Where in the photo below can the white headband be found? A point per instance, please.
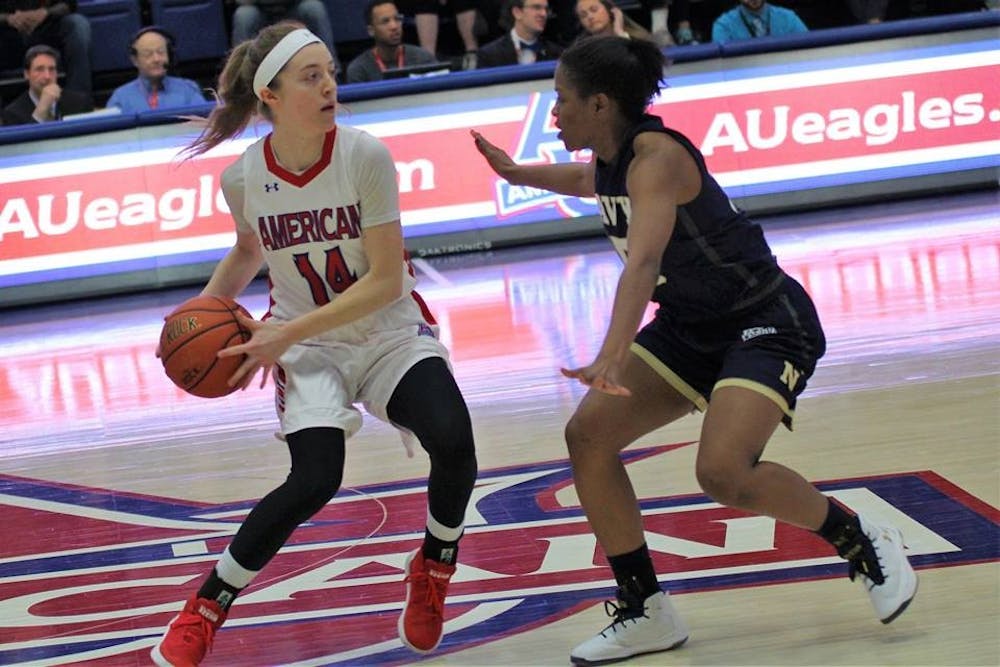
(282, 52)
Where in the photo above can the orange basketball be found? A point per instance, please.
(192, 335)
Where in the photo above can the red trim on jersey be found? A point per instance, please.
(409, 266)
(300, 180)
(424, 310)
(270, 300)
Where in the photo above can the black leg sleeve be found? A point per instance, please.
(428, 402)
(316, 474)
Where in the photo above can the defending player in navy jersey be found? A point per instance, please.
(733, 336)
(319, 204)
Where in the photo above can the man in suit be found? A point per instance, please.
(523, 44)
(25, 23)
(45, 100)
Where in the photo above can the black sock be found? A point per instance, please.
(843, 530)
(214, 588)
(442, 551)
(635, 576)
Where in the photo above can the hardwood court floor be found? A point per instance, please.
(117, 491)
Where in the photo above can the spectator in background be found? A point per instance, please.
(523, 44)
(868, 11)
(152, 50)
(44, 100)
(603, 17)
(427, 17)
(26, 23)
(680, 16)
(755, 18)
(252, 15)
(663, 14)
(385, 25)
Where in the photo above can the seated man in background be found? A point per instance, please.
(523, 44)
(26, 23)
(385, 25)
(252, 15)
(152, 50)
(755, 18)
(44, 100)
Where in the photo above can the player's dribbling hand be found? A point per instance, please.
(265, 347)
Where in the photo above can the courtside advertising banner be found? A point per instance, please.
(135, 204)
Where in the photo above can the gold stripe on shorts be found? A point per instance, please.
(762, 389)
(674, 380)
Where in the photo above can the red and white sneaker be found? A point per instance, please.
(420, 624)
(189, 636)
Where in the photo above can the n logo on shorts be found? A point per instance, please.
(790, 376)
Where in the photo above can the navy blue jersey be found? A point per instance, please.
(717, 262)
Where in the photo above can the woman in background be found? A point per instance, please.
(602, 18)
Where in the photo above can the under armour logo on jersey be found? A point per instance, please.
(268, 187)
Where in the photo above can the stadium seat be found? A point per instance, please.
(199, 26)
(112, 24)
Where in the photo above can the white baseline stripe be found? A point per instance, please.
(123, 160)
(116, 253)
(96, 256)
(820, 77)
(853, 164)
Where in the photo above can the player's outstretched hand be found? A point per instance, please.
(498, 160)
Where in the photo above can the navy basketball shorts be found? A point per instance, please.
(772, 349)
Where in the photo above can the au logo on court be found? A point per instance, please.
(96, 574)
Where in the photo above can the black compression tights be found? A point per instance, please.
(317, 470)
(428, 402)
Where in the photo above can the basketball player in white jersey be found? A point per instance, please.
(319, 204)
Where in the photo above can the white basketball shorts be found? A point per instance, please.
(317, 385)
